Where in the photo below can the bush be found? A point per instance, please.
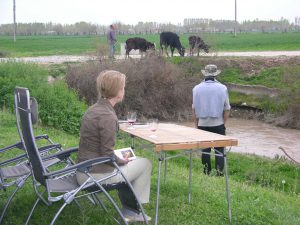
(19, 74)
(58, 106)
(3, 54)
(154, 87)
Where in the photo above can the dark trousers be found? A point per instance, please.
(219, 164)
(128, 199)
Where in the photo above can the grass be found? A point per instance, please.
(257, 193)
(77, 45)
(281, 73)
(269, 77)
(255, 42)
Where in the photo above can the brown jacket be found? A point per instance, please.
(98, 134)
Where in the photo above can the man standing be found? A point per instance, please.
(112, 39)
(211, 109)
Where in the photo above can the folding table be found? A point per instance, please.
(171, 137)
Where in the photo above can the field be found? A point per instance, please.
(76, 45)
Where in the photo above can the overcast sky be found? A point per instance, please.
(105, 12)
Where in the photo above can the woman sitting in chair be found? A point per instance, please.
(97, 139)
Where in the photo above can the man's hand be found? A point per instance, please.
(226, 115)
(195, 119)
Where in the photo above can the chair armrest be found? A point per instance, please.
(47, 148)
(42, 136)
(62, 154)
(18, 145)
(82, 165)
(15, 159)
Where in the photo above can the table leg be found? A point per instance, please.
(165, 164)
(132, 142)
(157, 191)
(227, 186)
(190, 178)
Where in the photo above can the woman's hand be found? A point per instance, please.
(126, 156)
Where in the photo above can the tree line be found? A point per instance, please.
(190, 25)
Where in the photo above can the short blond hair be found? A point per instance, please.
(109, 83)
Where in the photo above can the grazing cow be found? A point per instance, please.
(171, 39)
(138, 43)
(197, 42)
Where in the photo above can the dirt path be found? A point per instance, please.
(82, 58)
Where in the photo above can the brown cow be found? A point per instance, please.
(197, 42)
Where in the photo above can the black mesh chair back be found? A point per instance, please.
(14, 171)
(24, 114)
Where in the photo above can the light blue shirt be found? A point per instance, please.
(210, 100)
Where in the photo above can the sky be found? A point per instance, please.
(105, 12)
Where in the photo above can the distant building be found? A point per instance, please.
(297, 21)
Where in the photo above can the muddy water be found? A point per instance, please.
(262, 139)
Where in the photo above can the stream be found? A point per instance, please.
(256, 137)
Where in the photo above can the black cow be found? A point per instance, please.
(171, 39)
(197, 42)
(138, 43)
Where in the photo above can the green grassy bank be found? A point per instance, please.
(258, 195)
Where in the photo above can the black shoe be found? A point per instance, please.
(219, 174)
(131, 216)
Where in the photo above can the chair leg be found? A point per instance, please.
(31, 212)
(100, 202)
(111, 200)
(20, 184)
(131, 188)
(58, 212)
(77, 203)
(7, 203)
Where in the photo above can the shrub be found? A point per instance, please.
(3, 54)
(154, 87)
(58, 106)
(19, 74)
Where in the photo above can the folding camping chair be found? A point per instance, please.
(15, 171)
(13, 175)
(62, 184)
(34, 119)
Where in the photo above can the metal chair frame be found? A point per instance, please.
(61, 184)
